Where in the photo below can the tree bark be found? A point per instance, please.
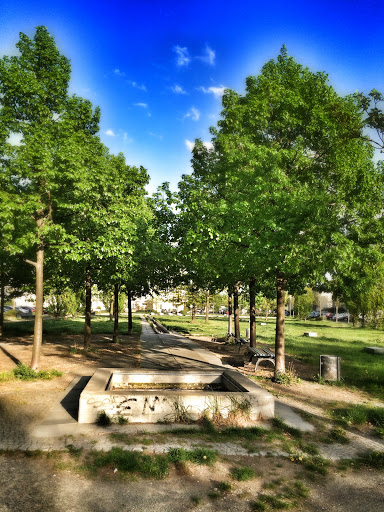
(116, 313)
(111, 310)
(281, 285)
(193, 313)
(252, 313)
(38, 330)
(230, 312)
(88, 308)
(207, 308)
(236, 310)
(130, 324)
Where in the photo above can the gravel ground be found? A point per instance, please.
(44, 483)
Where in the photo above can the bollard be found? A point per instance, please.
(330, 367)
(247, 333)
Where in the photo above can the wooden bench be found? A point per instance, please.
(261, 354)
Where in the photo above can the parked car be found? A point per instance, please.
(314, 314)
(341, 317)
(7, 308)
(23, 311)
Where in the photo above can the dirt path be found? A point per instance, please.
(56, 483)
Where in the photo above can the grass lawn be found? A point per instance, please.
(53, 326)
(358, 368)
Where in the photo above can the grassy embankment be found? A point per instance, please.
(358, 368)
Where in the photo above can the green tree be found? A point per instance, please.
(42, 171)
(287, 155)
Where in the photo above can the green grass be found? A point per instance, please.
(359, 369)
(25, 373)
(52, 326)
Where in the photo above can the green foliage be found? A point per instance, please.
(359, 414)
(103, 420)
(243, 474)
(63, 304)
(203, 456)
(24, 372)
(147, 466)
(304, 304)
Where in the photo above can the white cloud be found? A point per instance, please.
(134, 84)
(177, 89)
(127, 139)
(208, 56)
(15, 139)
(216, 91)
(182, 55)
(190, 145)
(155, 135)
(193, 113)
(117, 72)
(142, 105)
(111, 133)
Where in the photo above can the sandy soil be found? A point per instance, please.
(49, 484)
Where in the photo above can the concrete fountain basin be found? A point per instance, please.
(152, 396)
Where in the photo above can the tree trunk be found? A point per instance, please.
(230, 313)
(38, 331)
(236, 310)
(88, 308)
(193, 313)
(207, 308)
(2, 296)
(337, 313)
(281, 285)
(111, 310)
(116, 313)
(252, 313)
(130, 325)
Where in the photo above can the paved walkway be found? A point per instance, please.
(173, 351)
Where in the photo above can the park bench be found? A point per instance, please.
(261, 354)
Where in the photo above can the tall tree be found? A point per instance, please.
(33, 91)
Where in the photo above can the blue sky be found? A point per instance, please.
(157, 68)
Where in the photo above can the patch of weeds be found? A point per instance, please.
(225, 486)
(34, 453)
(336, 435)
(287, 377)
(121, 438)
(207, 425)
(214, 495)
(147, 466)
(26, 373)
(146, 441)
(196, 500)
(296, 489)
(360, 414)
(197, 455)
(103, 420)
(314, 464)
(309, 448)
(372, 460)
(243, 474)
(273, 502)
(281, 426)
(73, 450)
(258, 506)
(122, 420)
